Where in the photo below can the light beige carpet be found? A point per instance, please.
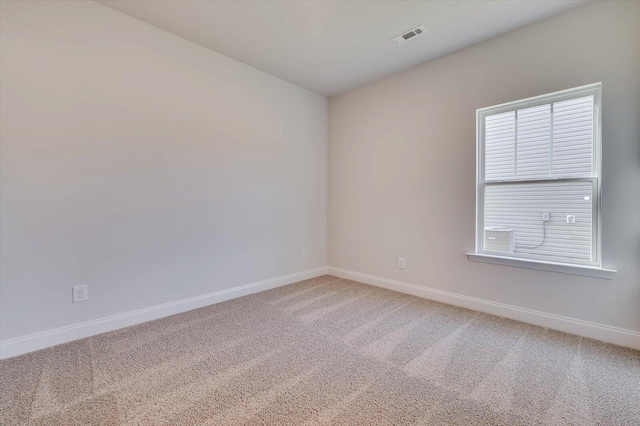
(325, 351)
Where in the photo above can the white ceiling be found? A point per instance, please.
(332, 46)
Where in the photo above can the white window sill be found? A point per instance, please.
(589, 271)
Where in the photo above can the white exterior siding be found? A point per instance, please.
(520, 206)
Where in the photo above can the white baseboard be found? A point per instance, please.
(33, 342)
(605, 333)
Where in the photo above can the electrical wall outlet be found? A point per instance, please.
(80, 293)
(305, 255)
(571, 218)
(545, 217)
(401, 262)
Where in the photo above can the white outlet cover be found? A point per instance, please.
(401, 262)
(305, 255)
(80, 293)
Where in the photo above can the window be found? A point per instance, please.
(538, 179)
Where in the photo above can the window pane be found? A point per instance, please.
(573, 137)
(520, 208)
(499, 149)
(534, 141)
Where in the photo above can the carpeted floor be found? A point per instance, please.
(325, 351)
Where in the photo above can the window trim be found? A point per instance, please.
(564, 268)
(543, 262)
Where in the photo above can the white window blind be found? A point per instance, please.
(538, 181)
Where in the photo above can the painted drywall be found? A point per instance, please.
(402, 164)
(145, 166)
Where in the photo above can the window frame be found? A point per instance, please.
(595, 178)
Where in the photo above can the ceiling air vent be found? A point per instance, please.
(408, 35)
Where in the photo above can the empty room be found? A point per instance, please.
(319, 212)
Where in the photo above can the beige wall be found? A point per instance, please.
(155, 170)
(402, 164)
(145, 166)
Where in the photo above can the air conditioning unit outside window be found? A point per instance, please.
(499, 238)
